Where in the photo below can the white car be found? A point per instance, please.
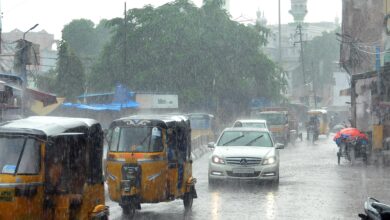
(244, 153)
(257, 123)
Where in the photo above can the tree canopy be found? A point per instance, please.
(320, 53)
(199, 53)
(70, 79)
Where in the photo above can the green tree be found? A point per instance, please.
(70, 77)
(80, 36)
(212, 62)
(320, 54)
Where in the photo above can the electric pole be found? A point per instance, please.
(299, 27)
(299, 32)
(125, 42)
(280, 37)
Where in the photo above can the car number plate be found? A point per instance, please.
(6, 195)
(244, 170)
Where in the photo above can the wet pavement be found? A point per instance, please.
(312, 186)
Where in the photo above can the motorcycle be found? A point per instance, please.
(375, 210)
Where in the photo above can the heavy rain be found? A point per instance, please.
(202, 109)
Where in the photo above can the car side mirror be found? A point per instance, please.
(279, 146)
(211, 145)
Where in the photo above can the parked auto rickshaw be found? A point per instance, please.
(51, 168)
(322, 116)
(149, 161)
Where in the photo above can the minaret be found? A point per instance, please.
(298, 10)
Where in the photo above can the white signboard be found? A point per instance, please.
(157, 101)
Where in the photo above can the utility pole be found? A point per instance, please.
(125, 42)
(280, 37)
(313, 84)
(25, 46)
(1, 27)
(299, 27)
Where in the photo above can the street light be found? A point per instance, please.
(24, 69)
(32, 28)
(24, 51)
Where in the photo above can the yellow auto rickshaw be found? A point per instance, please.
(149, 161)
(322, 116)
(202, 125)
(51, 168)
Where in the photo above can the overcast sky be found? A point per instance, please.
(52, 15)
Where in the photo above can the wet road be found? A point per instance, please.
(312, 186)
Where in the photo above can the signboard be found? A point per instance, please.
(157, 101)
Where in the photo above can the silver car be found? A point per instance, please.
(244, 153)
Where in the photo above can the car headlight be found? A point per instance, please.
(218, 160)
(269, 161)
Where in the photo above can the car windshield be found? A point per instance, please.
(253, 124)
(136, 139)
(245, 138)
(19, 155)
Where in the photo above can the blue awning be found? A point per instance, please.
(102, 107)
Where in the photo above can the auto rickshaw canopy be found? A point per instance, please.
(47, 126)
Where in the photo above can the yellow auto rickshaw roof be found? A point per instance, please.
(167, 120)
(45, 125)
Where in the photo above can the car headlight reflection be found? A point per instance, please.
(269, 161)
(217, 160)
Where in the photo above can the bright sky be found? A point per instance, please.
(52, 15)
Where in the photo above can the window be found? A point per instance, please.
(14, 150)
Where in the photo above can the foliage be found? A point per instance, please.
(84, 38)
(46, 82)
(70, 77)
(211, 61)
(320, 53)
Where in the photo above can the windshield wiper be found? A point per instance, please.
(251, 142)
(232, 140)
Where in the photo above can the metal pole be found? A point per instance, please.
(280, 36)
(24, 68)
(125, 42)
(302, 59)
(24, 50)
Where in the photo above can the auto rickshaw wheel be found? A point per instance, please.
(188, 199)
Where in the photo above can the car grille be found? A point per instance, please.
(255, 174)
(250, 161)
